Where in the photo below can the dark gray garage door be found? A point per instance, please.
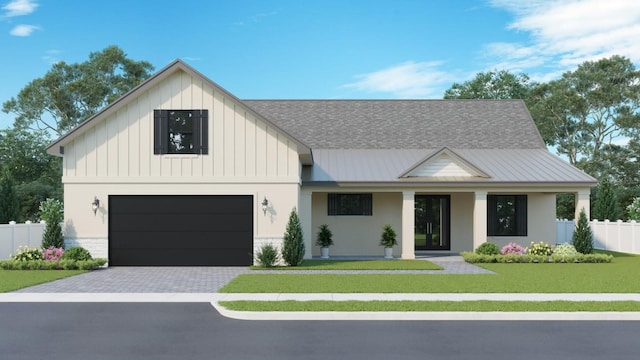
(180, 230)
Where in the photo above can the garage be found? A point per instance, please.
(180, 230)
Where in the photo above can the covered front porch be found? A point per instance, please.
(426, 221)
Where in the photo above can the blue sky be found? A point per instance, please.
(264, 49)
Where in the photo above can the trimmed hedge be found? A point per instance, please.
(52, 265)
(474, 258)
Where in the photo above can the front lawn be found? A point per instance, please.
(483, 305)
(11, 280)
(357, 265)
(620, 276)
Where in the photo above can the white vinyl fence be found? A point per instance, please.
(607, 235)
(14, 235)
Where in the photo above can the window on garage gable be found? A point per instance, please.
(180, 131)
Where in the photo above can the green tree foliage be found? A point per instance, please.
(634, 209)
(582, 236)
(36, 174)
(51, 211)
(606, 204)
(9, 205)
(70, 93)
(565, 206)
(581, 113)
(293, 246)
(492, 85)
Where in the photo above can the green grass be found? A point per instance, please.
(621, 276)
(11, 280)
(358, 265)
(524, 306)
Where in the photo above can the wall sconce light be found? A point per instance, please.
(265, 204)
(95, 205)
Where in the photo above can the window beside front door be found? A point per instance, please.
(506, 215)
(180, 131)
(349, 204)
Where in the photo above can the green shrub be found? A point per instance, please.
(488, 248)
(583, 237)
(540, 249)
(25, 253)
(52, 265)
(388, 237)
(51, 211)
(324, 238)
(511, 258)
(77, 253)
(565, 250)
(293, 244)
(267, 255)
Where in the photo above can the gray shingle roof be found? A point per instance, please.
(404, 124)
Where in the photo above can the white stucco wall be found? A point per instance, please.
(541, 222)
(359, 235)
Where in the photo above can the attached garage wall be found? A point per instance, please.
(181, 230)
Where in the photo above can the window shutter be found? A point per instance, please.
(201, 142)
(492, 209)
(160, 131)
(332, 204)
(521, 215)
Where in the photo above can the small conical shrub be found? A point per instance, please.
(582, 236)
(293, 245)
(51, 212)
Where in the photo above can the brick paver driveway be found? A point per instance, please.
(143, 280)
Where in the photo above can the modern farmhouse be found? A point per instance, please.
(181, 172)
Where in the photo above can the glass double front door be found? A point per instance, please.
(432, 224)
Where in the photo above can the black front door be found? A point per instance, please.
(432, 225)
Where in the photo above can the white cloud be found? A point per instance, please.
(20, 7)
(407, 80)
(51, 56)
(23, 30)
(564, 34)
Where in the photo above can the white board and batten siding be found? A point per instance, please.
(241, 147)
(246, 156)
(442, 165)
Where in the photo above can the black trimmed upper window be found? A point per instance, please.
(506, 215)
(350, 204)
(180, 131)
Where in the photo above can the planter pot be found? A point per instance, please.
(324, 252)
(388, 253)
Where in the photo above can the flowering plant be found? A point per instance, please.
(25, 253)
(541, 248)
(634, 209)
(52, 253)
(512, 248)
(565, 250)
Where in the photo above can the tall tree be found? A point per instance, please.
(68, 94)
(495, 84)
(606, 204)
(9, 205)
(293, 242)
(586, 110)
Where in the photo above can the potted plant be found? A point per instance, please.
(324, 240)
(388, 240)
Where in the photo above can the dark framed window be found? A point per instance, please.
(180, 131)
(506, 215)
(350, 204)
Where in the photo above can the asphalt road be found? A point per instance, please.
(157, 331)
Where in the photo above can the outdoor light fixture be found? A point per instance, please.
(265, 204)
(95, 205)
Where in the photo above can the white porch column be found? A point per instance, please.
(480, 219)
(408, 225)
(583, 202)
(304, 213)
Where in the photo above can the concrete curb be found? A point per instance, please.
(426, 316)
